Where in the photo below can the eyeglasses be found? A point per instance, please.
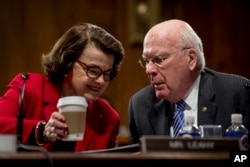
(156, 60)
(95, 72)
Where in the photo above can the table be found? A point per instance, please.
(114, 159)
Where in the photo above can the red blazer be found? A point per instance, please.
(39, 101)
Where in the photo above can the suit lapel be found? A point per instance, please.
(159, 117)
(207, 109)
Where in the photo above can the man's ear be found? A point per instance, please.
(192, 55)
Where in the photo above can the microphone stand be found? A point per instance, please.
(20, 114)
(20, 146)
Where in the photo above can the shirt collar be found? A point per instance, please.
(192, 97)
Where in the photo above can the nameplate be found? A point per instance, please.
(156, 143)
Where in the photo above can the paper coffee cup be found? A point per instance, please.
(73, 108)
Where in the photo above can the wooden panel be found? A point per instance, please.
(30, 28)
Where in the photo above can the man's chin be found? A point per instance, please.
(160, 95)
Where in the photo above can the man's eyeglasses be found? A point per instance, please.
(95, 72)
(156, 60)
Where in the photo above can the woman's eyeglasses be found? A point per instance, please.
(95, 72)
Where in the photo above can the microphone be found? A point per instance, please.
(20, 114)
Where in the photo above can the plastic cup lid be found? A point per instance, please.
(67, 100)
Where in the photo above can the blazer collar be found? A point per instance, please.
(50, 98)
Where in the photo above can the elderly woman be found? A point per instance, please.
(82, 62)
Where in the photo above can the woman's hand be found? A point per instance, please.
(56, 128)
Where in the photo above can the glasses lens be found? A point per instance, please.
(142, 62)
(94, 72)
(158, 60)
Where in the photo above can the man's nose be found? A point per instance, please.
(151, 68)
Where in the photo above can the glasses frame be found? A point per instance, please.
(111, 73)
(160, 59)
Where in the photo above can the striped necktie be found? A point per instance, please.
(178, 117)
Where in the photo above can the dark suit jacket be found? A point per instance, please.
(222, 94)
(40, 100)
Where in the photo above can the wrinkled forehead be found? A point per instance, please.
(158, 42)
(162, 36)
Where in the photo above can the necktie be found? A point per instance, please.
(178, 117)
